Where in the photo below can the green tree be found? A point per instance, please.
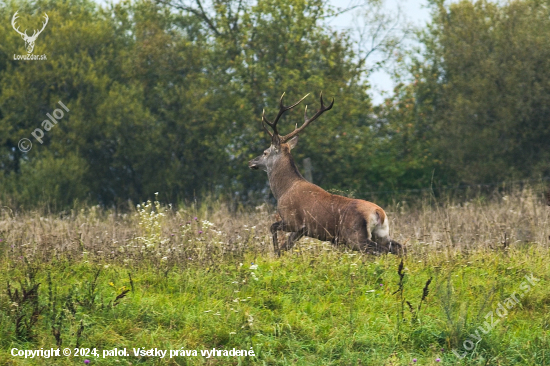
(484, 86)
(170, 101)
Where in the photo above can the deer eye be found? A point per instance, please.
(265, 152)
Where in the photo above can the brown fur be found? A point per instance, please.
(307, 209)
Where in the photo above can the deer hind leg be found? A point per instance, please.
(365, 240)
(293, 238)
(368, 246)
(375, 247)
(396, 248)
(382, 237)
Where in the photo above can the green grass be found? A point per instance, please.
(314, 306)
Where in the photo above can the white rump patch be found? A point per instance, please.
(381, 231)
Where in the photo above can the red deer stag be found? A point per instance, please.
(307, 209)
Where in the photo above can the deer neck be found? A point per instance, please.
(283, 175)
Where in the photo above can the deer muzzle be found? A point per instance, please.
(253, 165)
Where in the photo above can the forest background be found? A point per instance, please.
(167, 97)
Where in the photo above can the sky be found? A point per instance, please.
(414, 11)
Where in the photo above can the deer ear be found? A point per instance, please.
(293, 142)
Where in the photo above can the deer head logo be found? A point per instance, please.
(29, 41)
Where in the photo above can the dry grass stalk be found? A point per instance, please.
(190, 234)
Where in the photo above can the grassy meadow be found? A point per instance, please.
(204, 277)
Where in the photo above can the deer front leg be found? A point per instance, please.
(293, 238)
(274, 228)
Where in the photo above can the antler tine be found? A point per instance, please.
(263, 124)
(307, 121)
(13, 20)
(281, 100)
(43, 25)
(272, 125)
(282, 110)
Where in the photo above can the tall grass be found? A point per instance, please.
(211, 231)
(203, 276)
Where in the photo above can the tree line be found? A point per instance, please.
(167, 97)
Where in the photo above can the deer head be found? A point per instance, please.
(29, 41)
(281, 145)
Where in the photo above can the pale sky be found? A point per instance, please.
(414, 11)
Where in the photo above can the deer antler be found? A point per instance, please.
(282, 110)
(24, 34)
(13, 19)
(35, 35)
(307, 121)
